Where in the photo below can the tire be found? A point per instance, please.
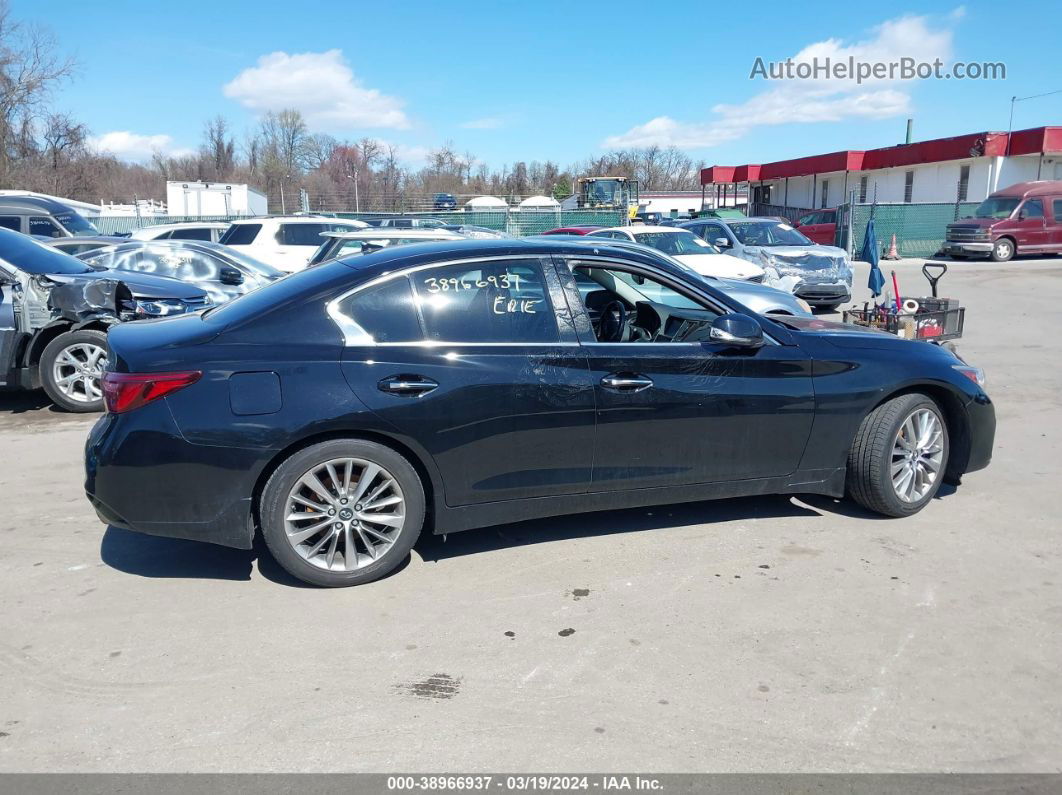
(293, 542)
(71, 367)
(878, 448)
(1003, 250)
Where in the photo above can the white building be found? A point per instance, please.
(965, 168)
(195, 199)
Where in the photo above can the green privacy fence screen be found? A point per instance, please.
(516, 222)
(919, 228)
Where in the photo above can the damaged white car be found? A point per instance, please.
(820, 275)
(55, 311)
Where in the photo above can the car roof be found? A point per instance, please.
(49, 206)
(388, 259)
(1042, 187)
(185, 225)
(60, 241)
(377, 233)
(297, 219)
(640, 228)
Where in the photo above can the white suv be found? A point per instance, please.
(285, 242)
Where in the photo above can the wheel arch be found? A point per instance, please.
(424, 472)
(50, 332)
(958, 421)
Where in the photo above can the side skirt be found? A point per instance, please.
(467, 517)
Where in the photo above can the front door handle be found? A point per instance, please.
(626, 382)
(408, 385)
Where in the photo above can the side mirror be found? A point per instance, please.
(737, 331)
(230, 276)
(722, 242)
(1022, 215)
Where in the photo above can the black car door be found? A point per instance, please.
(472, 360)
(674, 408)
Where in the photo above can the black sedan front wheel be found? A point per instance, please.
(71, 367)
(343, 512)
(898, 457)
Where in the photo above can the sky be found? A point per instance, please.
(545, 80)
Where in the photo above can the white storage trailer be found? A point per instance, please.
(195, 199)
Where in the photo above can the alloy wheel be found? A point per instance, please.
(344, 514)
(917, 455)
(77, 371)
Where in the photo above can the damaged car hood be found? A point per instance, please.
(140, 285)
(805, 257)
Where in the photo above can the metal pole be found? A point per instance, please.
(357, 198)
(283, 206)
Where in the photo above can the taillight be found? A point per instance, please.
(128, 391)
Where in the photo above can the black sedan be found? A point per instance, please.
(447, 386)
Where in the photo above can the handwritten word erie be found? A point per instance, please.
(514, 306)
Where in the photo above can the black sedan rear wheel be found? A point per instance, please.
(343, 512)
(898, 457)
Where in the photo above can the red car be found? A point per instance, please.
(1023, 219)
(573, 230)
(819, 227)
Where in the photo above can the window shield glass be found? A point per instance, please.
(31, 256)
(75, 224)
(674, 242)
(997, 208)
(768, 234)
(503, 301)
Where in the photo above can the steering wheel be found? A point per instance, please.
(612, 326)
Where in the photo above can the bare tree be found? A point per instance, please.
(30, 68)
(218, 147)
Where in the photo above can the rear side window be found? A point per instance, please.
(241, 234)
(486, 302)
(386, 312)
(1056, 210)
(190, 234)
(11, 222)
(301, 234)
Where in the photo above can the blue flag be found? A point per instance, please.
(869, 253)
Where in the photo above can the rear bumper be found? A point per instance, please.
(142, 475)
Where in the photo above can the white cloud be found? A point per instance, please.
(486, 123)
(319, 84)
(135, 147)
(807, 101)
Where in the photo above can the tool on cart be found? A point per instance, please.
(931, 318)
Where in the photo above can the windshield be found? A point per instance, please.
(75, 224)
(996, 208)
(675, 243)
(29, 256)
(762, 234)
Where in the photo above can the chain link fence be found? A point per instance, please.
(518, 223)
(919, 228)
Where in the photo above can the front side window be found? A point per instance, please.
(628, 307)
(385, 312)
(1056, 210)
(1034, 208)
(241, 235)
(44, 226)
(503, 301)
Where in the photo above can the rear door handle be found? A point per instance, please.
(626, 382)
(409, 385)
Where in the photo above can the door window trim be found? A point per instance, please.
(355, 336)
